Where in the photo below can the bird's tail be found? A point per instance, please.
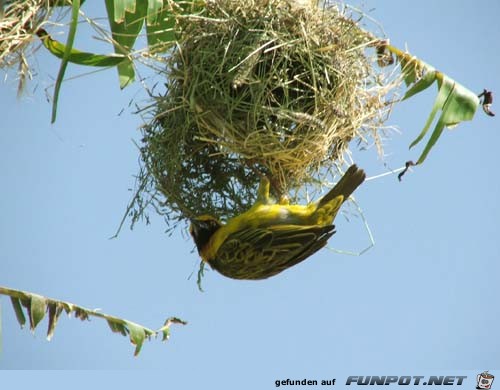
(351, 180)
(329, 205)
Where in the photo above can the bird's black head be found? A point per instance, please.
(202, 229)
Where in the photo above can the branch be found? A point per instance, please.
(36, 306)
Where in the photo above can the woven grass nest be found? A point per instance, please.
(253, 88)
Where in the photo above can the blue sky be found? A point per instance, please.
(425, 297)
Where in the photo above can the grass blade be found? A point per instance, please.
(64, 63)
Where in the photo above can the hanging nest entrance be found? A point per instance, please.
(263, 87)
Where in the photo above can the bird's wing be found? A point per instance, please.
(258, 253)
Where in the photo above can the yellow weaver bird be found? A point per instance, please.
(270, 237)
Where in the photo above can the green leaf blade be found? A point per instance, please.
(64, 63)
(37, 308)
(18, 310)
(54, 311)
(126, 73)
(154, 10)
(126, 18)
(443, 93)
(461, 105)
(121, 7)
(117, 327)
(425, 82)
(438, 130)
(160, 30)
(137, 336)
(165, 329)
(79, 57)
